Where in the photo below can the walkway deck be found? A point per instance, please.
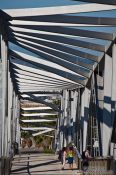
(39, 164)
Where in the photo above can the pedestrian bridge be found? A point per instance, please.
(61, 61)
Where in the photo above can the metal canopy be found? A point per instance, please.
(58, 10)
(56, 48)
(58, 54)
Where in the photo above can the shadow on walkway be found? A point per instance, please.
(41, 164)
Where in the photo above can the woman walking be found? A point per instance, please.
(70, 156)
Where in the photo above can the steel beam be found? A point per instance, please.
(82, 63)
(33, 87)
(45, 65)
(38, 73)
(58, 10)
(38, 120)
(38, 100)
(66, 31)
(34, 128)
(42, 132)
(56, 20)
(20, 73)
(62, 51)
(35, 108)
(32, 83)
(80, 42)
(62, 59)
(46, 92)
(37, 114)
(36, 81)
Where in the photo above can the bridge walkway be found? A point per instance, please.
(38, 163)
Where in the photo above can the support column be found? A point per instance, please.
(84, 114)
(0, 108)
(114, 161)
(107, 120)
(69, 122)
(4, 91)
(17, 121)
(100, 105)
(113, 96)
(14, 117)
(78, 121)
(74, 97)
(10, 99)
(61, 122)
(65, 118)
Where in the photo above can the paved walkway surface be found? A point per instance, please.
(32, 164)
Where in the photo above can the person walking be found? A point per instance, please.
(86, 157)
(63, 157)
(70, 156)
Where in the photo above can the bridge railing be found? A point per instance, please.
(97, 166)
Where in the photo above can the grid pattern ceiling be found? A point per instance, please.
(61, 46)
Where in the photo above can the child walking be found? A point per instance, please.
(70, 156)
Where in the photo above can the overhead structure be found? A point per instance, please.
(58, 47)
(67, 52)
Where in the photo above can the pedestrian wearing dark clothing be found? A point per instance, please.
(85, 157)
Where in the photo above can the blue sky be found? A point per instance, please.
(6, 4)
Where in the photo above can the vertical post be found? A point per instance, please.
(113, 93)
(10, 96)
(81, 122)
(113, 102)
(65, 117)
(69, 117)
(77, 126)
(107, 121)
(18, 125)
(60, 123)
(16, 118)
(4, 97)
(71, 114)
(4, 55)
(84, 114)
(114, 161)
(59, 135)
(100, 99)
(0, 110)
(74, 98)
(14, 115)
